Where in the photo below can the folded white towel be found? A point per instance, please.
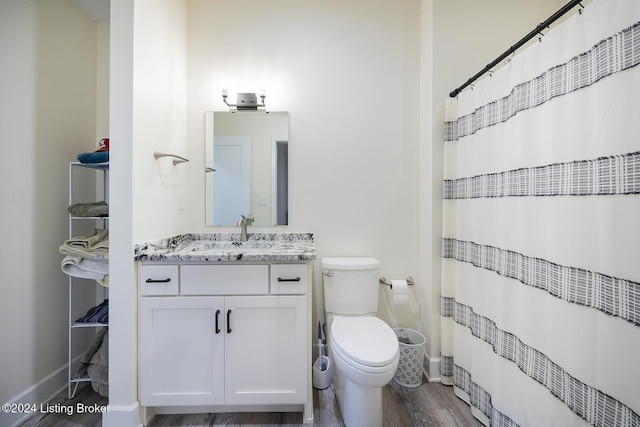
(94, 245)
(77, 266)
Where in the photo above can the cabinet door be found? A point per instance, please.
(266, 350)
(181, 354)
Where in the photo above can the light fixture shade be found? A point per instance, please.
(245, 100)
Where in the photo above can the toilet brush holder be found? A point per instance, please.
(322, 373)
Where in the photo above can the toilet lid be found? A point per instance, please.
(366, 340)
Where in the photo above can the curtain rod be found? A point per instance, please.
(566, 8)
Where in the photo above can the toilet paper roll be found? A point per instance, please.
(400, 292)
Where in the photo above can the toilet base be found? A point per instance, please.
(360, 406)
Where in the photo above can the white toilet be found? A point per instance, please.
(364, 350)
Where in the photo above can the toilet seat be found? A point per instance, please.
(367, 341)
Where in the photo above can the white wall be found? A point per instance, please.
(148, 113)
(122, 295)
(48, 115)
(160, 104)
(348, 74)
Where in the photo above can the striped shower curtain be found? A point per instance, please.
(540, 302)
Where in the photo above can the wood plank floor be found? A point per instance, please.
(84, 396)
(430, 405)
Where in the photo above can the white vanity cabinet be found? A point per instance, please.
(181, 357)
(229, 335)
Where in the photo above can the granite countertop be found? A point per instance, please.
(214, 247)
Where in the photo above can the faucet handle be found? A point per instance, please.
(248, 218)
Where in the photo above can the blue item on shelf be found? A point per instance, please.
(95, 157)
(97, 314)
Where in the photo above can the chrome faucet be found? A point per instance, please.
(243, 223)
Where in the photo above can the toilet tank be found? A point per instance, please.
(350, 285)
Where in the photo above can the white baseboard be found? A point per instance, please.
(431, 368)
(122, 416)
(36, 395)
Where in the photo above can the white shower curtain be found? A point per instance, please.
(540, 303)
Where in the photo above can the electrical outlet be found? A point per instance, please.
(180, 201)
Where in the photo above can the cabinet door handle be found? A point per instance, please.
(217, 318)
(228, 321)
(280, 279)
(167, 280)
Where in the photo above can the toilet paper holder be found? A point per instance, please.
(384, 281)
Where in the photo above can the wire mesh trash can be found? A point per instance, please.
(409, 373)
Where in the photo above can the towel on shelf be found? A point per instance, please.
(77, 266)
(97, 314)
(100, 209)
(94, 245)
(105, 281)
(95, 157)
(94, 363)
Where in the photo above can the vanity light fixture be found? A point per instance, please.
(245, 101)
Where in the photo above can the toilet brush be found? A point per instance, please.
(323, 365)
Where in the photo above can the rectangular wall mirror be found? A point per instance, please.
(246, 167)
